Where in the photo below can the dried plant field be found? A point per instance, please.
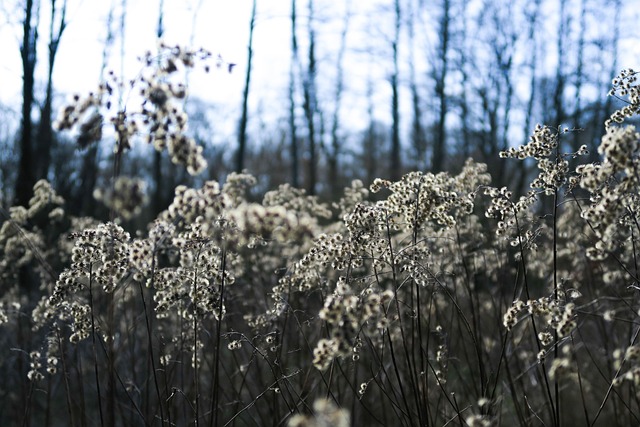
(433, 300)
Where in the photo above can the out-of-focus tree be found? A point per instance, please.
(463, 67)
(333, 153)
(28, 54)
(494, 84)
(242, 131)
(158, 202)
(532, 14)
(418, 134)
(558, 112)
(373, 138)
(440, 73)
(45, 137)
(531, 43)
(395, 165)
(604, 64)
(579, 74)
(613, 47)
(82, 201)
(9, 123)
(293, 66)
(310, 100)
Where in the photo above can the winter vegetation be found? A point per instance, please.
(496, 285)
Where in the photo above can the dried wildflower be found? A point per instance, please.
(625, 85)
(35, 365)
(326, 413)
(545, 338)
(363, 389)
(510, 318)
(159, 114)
(418, 197)
(324, 353)
(560, 368)
(127, 197)
(632, 354)
(234, 345)
(567, 322)
(477, 421)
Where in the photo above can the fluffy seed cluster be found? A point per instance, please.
(419, 197)
(325, 414)
(625, 85)
(23, 240)
(127, 197)
(505, 209)
(345, 314)
(614, 202)
(100, 257)
(158, 114)
(559, 317)
(35, 365)
(541, 145)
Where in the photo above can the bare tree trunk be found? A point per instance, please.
(418, 135)
(558, 101)
(26, 176)
(579, 78)
(157, 155)
(533, 67)
(242, 134)
(504, 57)
(334, 154)
(89, 168)
(613, 71)
(295, 180)
(464, 99)
(370, 143)
(395, 110)
(310, 103)
(45, 138)
(532, 19)
(439, 149)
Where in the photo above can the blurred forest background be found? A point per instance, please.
(354, 89)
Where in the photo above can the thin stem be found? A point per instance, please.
(150, 337)
(556, 348)
(216, 363)
(93, 341)
(533, 322)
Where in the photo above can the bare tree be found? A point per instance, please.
(495, 85)
(418, 134)
(614, 46)
(26, 176)
(157, 155)
(293, 145)
(463, 61)
(45, 138)
(532, 17)
(242, 133)
(395, 103)
(560, 80)
(88, 175)
(310, 101)
(334, 153)
(371, 143)
(579, 76)
(439, 148)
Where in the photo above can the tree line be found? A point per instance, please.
(434, 81)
